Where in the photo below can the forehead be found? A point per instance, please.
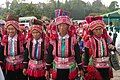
(11, 26)
(35, 31)
(98, 27)
(63, 24)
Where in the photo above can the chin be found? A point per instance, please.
(11, 35)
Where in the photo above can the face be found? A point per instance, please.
(98, 31)
(36, 34)
(21, 30)
(63, 29)
(11, 31)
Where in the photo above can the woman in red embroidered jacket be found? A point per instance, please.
(34, 53)
(97, 48)
(12, 50)
(63, 52)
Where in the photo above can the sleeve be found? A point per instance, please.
(78, 56)
(2, 53)
(87, 53)
(49, 57)
(109, 40)
(26, 59)
(2, 57)
(86, 56)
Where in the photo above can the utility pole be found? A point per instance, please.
(58, 4)
(7, 4)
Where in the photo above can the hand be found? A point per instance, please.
(24, 72)
(110, 46)
(80, 73)
(1, 62)
(47, 75)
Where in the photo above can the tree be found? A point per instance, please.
(14, 4)
(78, 9)
(113, 6)
(97, 6)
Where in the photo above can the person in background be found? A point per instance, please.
(114, 37)
(2, 23)
(22, 29)
(110, 28)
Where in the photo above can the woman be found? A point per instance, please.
(63, 52)
(97, 51)
(12, 50)
(34, 54)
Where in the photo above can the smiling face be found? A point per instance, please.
(98, 31)
(63, 29)
(36, 34)
(11, 31)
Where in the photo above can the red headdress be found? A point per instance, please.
(63, 19)
(11, 20)
(53, 34)
(94, 22)
(36, 25)
(22, 26)
(62, 16)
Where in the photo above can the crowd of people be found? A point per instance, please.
(59, 49)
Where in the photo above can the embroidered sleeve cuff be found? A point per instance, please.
(48, 66)
(80, 66)
(25, 64)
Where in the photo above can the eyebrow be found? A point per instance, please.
(98, 28)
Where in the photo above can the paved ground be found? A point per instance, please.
(116, 75)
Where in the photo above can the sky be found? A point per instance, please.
(105, 2)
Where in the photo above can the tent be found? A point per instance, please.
(114, 14)
(112, 17)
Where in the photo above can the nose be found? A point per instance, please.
(10, 30)
(35, 34)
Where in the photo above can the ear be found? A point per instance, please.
(57, 29)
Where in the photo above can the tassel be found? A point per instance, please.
(92, 73)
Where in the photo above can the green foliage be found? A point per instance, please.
(113, 6)
(78, 9)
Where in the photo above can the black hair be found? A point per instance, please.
(110, 23)
(91, 33)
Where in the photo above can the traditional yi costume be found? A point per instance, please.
(34, 55)
(96, 56)
(12, 52)
(63, 53)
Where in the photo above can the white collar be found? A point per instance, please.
(13, 38)
(64, 37)
(39, 40)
